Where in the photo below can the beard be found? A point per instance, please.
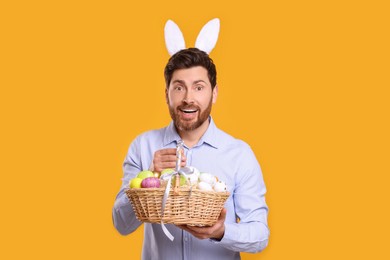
(189, 125)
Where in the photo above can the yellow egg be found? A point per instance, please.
(135, 183)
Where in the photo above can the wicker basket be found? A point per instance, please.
(202, 208)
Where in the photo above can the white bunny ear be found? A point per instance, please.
(208, 36)
(174, 39)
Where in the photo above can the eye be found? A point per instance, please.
(198, 87)
(178, 88)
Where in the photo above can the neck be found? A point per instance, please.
(191, 138)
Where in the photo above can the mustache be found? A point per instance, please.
(189, 107)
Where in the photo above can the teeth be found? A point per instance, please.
(188, 111)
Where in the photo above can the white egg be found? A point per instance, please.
(194, 170)
(220, 186)
(205, 186)
(207, 177)
(193, 178)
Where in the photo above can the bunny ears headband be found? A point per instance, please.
(206, 40)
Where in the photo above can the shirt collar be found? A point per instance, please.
(171, 134)
(208, 137)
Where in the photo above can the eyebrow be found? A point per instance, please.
(182, 81)
(198, 81)
(178, 81)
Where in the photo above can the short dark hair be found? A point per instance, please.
(189, 58)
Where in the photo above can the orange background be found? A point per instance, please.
(305, 83)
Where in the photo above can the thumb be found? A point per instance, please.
(222, 216)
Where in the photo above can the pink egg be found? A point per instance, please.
(150, 182)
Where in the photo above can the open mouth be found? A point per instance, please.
(189, 111)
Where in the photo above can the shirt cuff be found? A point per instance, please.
(227, 236)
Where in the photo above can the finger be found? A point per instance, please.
(195, 230)
(170, 152)
(164, 162)
(169, 157)
(190, 230)
(167, 151)
(162, 166)
(167, 165)
(166, 158)
(182, 227)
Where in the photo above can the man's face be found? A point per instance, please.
(190, 98)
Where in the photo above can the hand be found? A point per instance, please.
(216, 232)
(166, 158)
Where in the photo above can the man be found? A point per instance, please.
(191, 89)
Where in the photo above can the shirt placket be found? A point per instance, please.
(186, 245)
(187, 236)
(189, 156)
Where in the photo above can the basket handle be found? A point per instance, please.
(177, 184)
(179, 152)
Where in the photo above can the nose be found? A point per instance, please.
(188, 97)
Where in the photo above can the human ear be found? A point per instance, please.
(215, 94)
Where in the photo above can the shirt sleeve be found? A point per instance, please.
(250, 232)
(123, 215)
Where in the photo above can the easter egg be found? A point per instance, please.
(204, 186)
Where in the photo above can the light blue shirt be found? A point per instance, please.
(231, 160)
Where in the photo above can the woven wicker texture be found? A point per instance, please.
(202, 208)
